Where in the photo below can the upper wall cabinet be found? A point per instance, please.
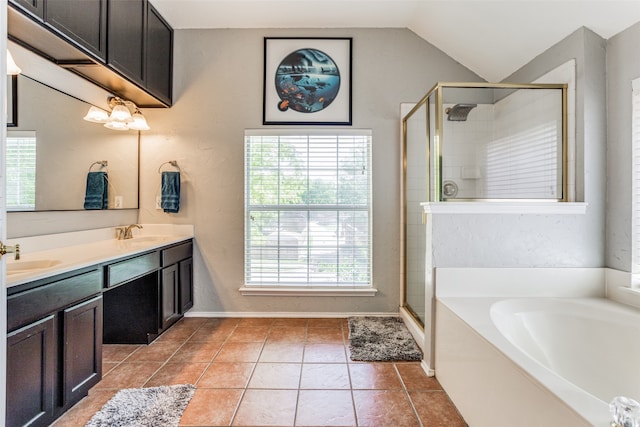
(83, 21)
(35, 7)
(128, 39)
(159, 56)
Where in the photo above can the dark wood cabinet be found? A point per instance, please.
(57, 325)
(185, 269)
(83, 22)
(159, 56)
(33, 7)
(124, 46)
(54, 345)
(169, 296)
(31, 381)
(82, 350)
(126, 28)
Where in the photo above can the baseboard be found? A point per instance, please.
(284, 314)
(427, 369)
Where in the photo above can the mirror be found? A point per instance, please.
(66, 147)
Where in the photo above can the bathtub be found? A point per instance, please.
(537, 361)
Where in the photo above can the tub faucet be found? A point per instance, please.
(127, 231)
(625, 412)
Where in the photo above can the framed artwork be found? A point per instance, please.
(12, 101)
(307, 81)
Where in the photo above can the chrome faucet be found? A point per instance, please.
(127, 234)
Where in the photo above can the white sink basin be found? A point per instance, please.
(27, 266)
(141, 242)
(146, 239)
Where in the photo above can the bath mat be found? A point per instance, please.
(144, 407)
(381, 339)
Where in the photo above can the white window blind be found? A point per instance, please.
(308, 209)
(526, 165)
(21, 170)
(635, 202)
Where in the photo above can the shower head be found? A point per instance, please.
(459, 112)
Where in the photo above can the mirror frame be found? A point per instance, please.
(12, 101)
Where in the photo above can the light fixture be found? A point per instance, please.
(139, 122)
(120, 117)
(96, 115)
(12, 67)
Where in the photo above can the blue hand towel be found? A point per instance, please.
(170, 198)
(97, 193)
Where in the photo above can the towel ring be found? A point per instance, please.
(102, 163)
(173, 163)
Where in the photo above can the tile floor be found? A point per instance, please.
(272, 372)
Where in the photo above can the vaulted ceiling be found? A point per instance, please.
(492, 38)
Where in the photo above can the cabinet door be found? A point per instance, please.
(34, 7)
(159, 61)
(82, 21)
(82, 349)
(126, 35)
(186, 284)
(169, 296)
(31, 360)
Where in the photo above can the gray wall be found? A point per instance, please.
(623, 66)
(545, 240)
(218, 94)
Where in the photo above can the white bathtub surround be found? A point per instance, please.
(491, 379)
(74, 250)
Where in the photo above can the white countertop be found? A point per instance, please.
(64, 252)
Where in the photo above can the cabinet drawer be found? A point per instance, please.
(25, 307)
(124, 271)
(177, 253)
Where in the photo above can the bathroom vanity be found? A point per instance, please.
(63, 303)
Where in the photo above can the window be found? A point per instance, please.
(21, 170)
(308, 209)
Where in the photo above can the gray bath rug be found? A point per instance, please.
(381, 339)
(144, 407)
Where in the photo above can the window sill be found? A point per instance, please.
(307, 292)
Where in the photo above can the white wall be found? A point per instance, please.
(218, 94)
(623, 65)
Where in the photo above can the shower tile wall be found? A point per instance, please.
(462, 149)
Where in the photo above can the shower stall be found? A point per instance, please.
(476, 142)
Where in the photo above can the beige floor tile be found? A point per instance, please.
(196, 351)
(276, 376)
(267, 408)
(211, 407)
(282, 352)
(384, 408)
(325, 408)
(177, 373)
(226, 375)
(324, 353)
(374, 376)
(333, 376)
(435, 409)
(239, 352)
(129, 374)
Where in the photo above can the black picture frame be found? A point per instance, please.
(12, 101)
(307, 81)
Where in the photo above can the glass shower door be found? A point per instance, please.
(416, 184)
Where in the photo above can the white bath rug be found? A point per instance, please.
(144, 407)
